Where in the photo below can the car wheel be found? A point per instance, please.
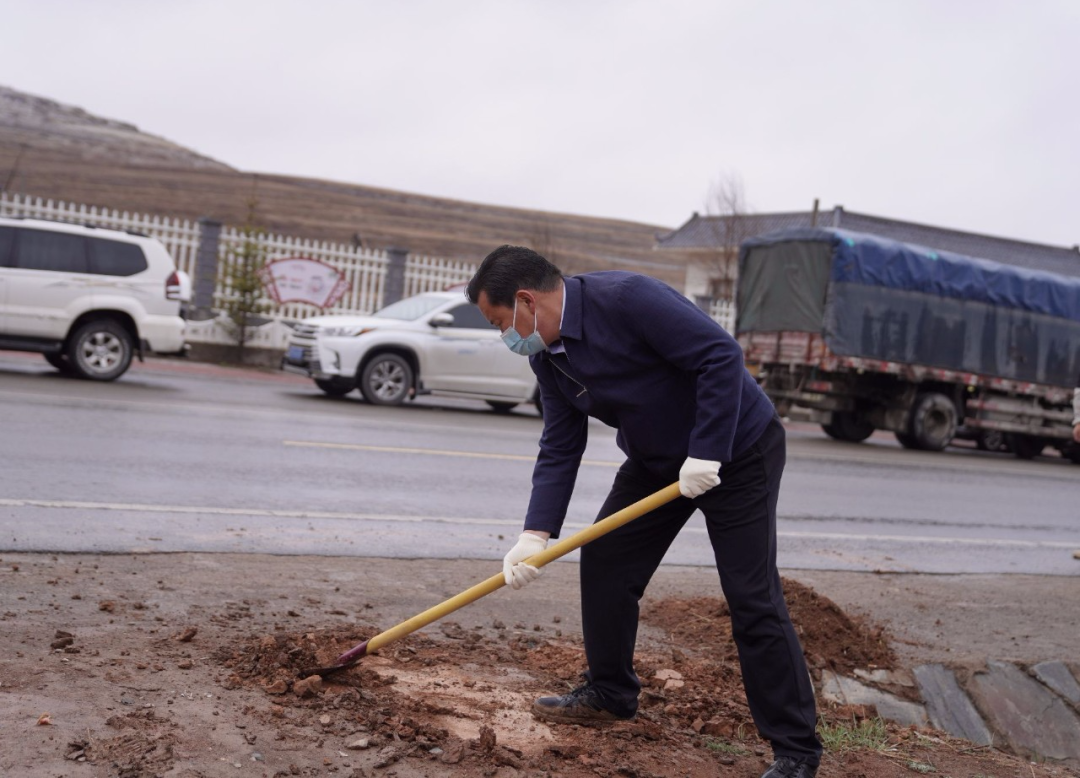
(386, 380)
(335, 387)
(100, 350)
(59, 361)
(501, 407)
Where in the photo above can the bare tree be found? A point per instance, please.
(541, 239)
(728, 220)
(14, 168)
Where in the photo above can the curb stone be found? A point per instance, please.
(1031, 710)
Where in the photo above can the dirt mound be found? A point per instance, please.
(282, 656)
(831, 639)
(59, 152)
(200, 680)
(463, 700)
(38, 123)
(458, 703)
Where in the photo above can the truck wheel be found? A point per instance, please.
(335, 387)
(991, 440)
(933, 421)
(849, 427)
(1026, 446)
(907, 441)
(386, 380)
(100, 350)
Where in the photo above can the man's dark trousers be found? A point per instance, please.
(740, 515)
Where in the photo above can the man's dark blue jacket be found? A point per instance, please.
(642, 358)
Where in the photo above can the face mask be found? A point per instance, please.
(533, 344)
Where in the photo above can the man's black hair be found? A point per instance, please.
(509, 268)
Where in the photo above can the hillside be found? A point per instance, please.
(55, 151)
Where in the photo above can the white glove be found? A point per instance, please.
(515, 572)
(698, 476)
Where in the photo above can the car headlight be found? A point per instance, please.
(344, 332)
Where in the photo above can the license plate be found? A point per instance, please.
(295, 354)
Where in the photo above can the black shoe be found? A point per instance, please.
(789, 767)
(581, 706)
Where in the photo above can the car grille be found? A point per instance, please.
(306, 331)
(302, 355)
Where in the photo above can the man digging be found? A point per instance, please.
(634, 353)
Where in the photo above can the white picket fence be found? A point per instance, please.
(723, 313)
(428, 274)
(365, 269)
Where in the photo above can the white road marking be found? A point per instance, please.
(211, 409)
(435, 452)
(254, 512)
(1001, 542)
(331, 515)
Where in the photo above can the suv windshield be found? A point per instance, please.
(411, 308)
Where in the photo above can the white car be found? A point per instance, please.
(87, 298)
(435, 343)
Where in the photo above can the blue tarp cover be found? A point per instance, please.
(865, 259)
(903, 303)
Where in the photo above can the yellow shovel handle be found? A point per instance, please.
(549, 554)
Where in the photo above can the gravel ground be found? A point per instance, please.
(165, 665)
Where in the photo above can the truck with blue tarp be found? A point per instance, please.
(859, 333)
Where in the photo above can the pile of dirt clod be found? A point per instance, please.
(458, 703)
(463, 701)
(282, 655)
(831, 639)
(143, 745)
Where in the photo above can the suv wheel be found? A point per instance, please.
(59, 361)
(100, 350)
(335, 387)
(386, 380)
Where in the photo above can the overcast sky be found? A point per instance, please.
(959, 113)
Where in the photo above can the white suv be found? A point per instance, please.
(87, 298)
(435, 343)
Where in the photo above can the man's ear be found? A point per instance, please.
(526, 299)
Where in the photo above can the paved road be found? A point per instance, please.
(181, 456)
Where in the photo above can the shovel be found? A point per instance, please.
(549, 554)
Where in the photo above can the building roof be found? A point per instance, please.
(712, 232)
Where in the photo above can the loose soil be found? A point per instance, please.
(189, 665)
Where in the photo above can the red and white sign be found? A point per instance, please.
(304, 280)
